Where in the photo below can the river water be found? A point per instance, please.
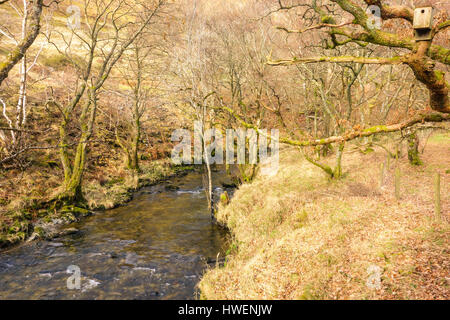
(155, 247)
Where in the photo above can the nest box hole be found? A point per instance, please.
(421, 32)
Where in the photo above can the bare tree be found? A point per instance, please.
(102, 39)
(196, 84)
(140, 72)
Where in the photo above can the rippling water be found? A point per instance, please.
(155, 247)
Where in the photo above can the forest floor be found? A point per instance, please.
(298, 235)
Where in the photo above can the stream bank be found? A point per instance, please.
(155, 247)
(41, 220)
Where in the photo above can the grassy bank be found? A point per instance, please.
(27, 212)
(298, 235)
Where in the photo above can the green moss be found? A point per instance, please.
(69, 217)
(73, 212)
(224, 199)
(439, 53)
(376, 128)
(115, 181)
(183, 168)
(20, 236)
(39, 231)
(14, 231)
(368, 150)
(16, 226)
(439, 75)
(327, 19)
(413, 152)
(415, 161)
(43, 213)
(27, 215)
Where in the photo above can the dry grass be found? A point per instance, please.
(120, 185)
(300, 236)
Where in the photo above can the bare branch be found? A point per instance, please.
(339, 59)
(320, 26)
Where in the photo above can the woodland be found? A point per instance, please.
(91, 91)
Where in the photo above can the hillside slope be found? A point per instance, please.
(298, 235)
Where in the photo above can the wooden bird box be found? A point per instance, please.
(422, 24)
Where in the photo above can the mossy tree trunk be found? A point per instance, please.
(413, 149)
(74, 169)
(72, 187)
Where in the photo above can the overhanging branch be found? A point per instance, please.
(338, 59)
(428, 116)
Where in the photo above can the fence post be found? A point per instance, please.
(437, 196)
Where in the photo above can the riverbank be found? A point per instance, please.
(298, 235)
(24, 218)
(157, 246)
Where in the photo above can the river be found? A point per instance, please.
(155, 247)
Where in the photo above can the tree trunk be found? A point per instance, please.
(207, 182)
(132, 154)
(73, 172)
(338, 169)
(73, 175)
(63, 151)
(134, 165)
(413, 149)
